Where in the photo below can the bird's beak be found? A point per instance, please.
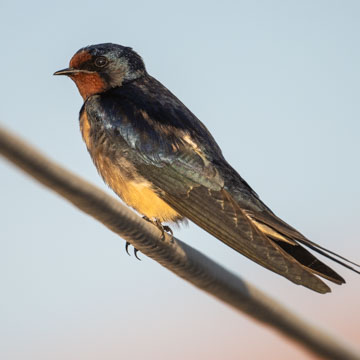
(70, 71)
(67, 71)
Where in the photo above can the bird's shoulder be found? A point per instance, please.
(151, 120)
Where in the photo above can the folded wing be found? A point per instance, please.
(173, 150)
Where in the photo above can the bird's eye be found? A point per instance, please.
(101, 61)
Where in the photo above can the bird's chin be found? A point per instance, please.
(88, 83)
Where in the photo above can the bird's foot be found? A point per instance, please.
(161, 227)
(135, 250)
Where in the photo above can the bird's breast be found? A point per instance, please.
(121, 175)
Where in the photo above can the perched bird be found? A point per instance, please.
(163, 162)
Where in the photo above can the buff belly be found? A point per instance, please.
(121, 176)
(137, 193)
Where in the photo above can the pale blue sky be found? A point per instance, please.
(278, 85)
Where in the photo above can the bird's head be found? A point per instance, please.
(98, 68)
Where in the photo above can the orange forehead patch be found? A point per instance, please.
(79, 58)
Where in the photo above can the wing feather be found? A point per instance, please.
(217, 212)
(173, 150)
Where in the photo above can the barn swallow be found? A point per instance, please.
(164, 163)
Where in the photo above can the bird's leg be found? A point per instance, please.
(164, 228)
(135, 250)
(161, 227)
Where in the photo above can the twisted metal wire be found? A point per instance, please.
(175, 255)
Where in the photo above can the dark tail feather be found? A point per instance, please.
(305, 258)
(319, 249)
(282, 228)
